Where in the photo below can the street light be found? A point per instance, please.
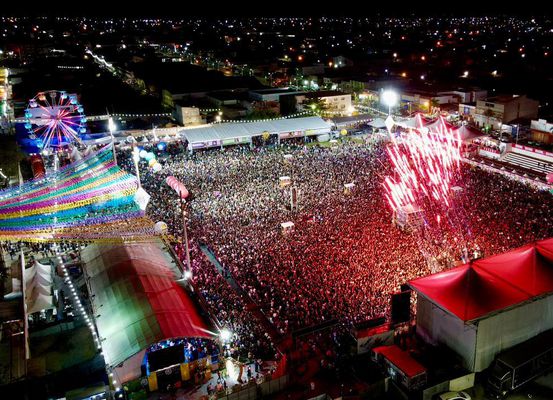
(136, 158)
(389, 98)
(112, 128)
(225, 335)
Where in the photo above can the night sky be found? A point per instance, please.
(249, 8)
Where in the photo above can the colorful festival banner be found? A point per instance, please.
(90, 199)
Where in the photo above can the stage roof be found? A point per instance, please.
(475, 290)
(234, 130)
(136, 299)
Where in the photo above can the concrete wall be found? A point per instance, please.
(187, 116)
(340, 103)
(542, 125)
(522, 107)
(517, 107)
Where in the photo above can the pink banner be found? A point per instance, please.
(533, 150)
(177, 186)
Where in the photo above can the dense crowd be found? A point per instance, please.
(344, 257)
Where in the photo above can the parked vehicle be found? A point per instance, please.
(454, 396)
(521, 364)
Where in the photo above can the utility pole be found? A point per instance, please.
(111, 127)
(185, 233)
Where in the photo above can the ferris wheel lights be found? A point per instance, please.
(60, 122)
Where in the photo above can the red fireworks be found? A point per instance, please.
(424, 164)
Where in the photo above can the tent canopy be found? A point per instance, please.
(234, 130)
(439, 124)
(475, 290)
(137, 299)
(41, 302)
(467, 134)
(38, 287)
(416, 121)
(345, 121)
(378, 123)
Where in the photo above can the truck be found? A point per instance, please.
(513, 368)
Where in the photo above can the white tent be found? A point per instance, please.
(378, 123)
(38, 287)
(29, 273)
(414, 122)
(32, 293)
(436, 126)
(242, 132)
(467, 134)
(41, 302)
(39, 281)
(439, 125)
(407, 123)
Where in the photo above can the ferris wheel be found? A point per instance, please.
(55, 118)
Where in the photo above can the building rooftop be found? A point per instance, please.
(502, 99)
(324, 93)
(276, 91)
(233, 130)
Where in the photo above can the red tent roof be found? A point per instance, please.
(401, 359)
(134, 287)
(474, 290)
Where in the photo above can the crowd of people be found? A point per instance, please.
(248, 340)
(343, 258)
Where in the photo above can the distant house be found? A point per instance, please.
(498, 110)
(541, 131)
(272, 94)
(226, 97)
(336, 102)
(188, 116)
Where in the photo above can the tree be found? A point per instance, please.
(262, 114)
(434, 103)
(488, 113)
(315, 104)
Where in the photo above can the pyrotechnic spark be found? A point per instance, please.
(424, 164)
